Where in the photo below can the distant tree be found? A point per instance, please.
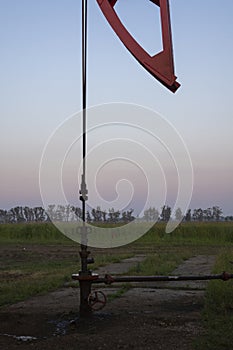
(188, 215)
(88, 217)
(93, 214)
(39, 214)
(96, 214)
(229, 218)
(208, 214)
(113, 215)
(104, 215)
(178, 214)
(217, 213)
(99, 213)
(195, 215)
(59, 213)
(19, 214)
(124, 217)
(116, 216)
(151, 214)
(3, 216)
(78, 212)
(67, 212)
(198, 214)
(146, 215)
(51, 211)
(165, 213)
(9, 217)
(28, 214)
(129, 214)
(12, 217)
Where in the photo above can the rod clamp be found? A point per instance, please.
(83, 192)
(108, 279)
(225, 276)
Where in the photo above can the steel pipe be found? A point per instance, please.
(107, 279)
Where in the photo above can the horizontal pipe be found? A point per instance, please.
(109, 279)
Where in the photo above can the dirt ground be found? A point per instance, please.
(148, 316)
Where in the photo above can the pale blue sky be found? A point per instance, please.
(40, 84)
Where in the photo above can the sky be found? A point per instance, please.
(40, 85)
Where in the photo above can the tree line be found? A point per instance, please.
(214, 213)
(67, 213)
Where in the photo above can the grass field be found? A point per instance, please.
(187, 233)
(36, 258)
(218, 311)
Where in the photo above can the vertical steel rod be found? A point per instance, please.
(84, 119)
(84, 81)
(85, 286)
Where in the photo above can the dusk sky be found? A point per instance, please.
(40, 85)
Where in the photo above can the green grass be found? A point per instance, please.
(38, 233)
(160, 263)
(26, 273)
(19, 282)
(218, 311)
(122, 290)
(50, 258)
(193, 234)
(106, 258)
(187, 233)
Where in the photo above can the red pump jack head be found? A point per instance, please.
(161, 65)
